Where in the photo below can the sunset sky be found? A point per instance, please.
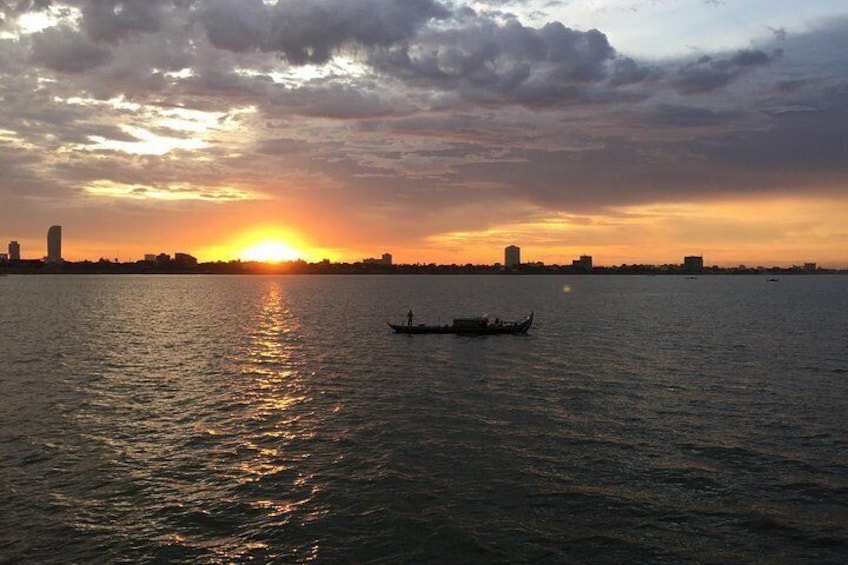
(633, 130)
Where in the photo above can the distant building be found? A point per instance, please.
(185, 260)
(693, 263)
(54, 244)
(386, 260)
(585, 263)
(3, 257)
(810, 267)
(512, 257)
(150, 257)
(163, 259)
(14, 251)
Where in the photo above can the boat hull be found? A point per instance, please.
(489, 329)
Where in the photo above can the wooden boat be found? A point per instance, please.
(468, 326)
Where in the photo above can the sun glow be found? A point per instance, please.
(270, 251)
(267, 244)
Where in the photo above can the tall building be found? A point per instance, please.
(512, 257)
(693, 263)
(54, 244)
(387, 259)
(14, 251)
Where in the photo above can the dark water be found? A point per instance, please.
(276, 419)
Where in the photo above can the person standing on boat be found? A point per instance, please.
(409, 317)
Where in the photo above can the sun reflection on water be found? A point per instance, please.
(274, 443)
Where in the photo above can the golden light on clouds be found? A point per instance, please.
(171, 192)
(164, 125)
(193, 130)
(33, 22)
(771, 231)
(147, 143)
(299, 75)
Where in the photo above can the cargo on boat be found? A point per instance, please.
(470, 326)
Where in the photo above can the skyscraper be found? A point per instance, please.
(14, 251)
(54, 244)
(693, 263)
(512, 257)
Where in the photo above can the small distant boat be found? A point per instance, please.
(468, 326)
(773, 280)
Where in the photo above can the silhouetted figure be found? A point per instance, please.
(409, 317)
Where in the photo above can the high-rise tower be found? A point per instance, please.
(512, 257)
(54, 244)
(14, 251)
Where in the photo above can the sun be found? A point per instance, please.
(270, 251)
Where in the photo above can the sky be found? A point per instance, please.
(635, 131)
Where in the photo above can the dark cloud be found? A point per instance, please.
(708, 73)
(800, 140)
(311, 31)
(63, 49)
(236, 26)
(692, 116)
(780, 34)
(507, 61)
(282, 146)
(457, 52)
(337, 101)
(109, 20)
(627, 71)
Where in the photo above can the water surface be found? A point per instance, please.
(218, 419)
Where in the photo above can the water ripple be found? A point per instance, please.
(276, 419)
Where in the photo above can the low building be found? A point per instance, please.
(185, 260)
(386, 260)
(584, 263)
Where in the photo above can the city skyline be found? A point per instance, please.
(442, 131)
(511, 255)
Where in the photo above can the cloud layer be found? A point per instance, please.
(361, 114)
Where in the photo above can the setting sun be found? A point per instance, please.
(266, 244)
(270, 251)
